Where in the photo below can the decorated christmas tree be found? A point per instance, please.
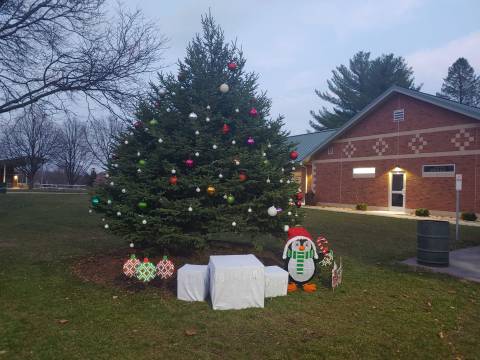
(203, 157)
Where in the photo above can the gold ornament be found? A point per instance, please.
(211, 190)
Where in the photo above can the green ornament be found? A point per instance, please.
(146, 271)
(142, 162)
(153, 122)
(230, 199)
(142, 205)
(95, 200)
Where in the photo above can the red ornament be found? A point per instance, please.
(226, 129)
(130, 266)
(250, 141)
(293, 155)
(253, 112)
(299, 196)
(173, 180)
(189, 163)
(232, 66)
(299, 204)
(242, 176)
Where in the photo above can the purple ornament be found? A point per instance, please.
(250, 141)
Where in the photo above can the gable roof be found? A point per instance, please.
(470, 111)
(307, 143)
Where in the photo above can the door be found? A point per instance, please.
(397, 191)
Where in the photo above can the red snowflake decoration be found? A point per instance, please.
(165, 268)
(130, 266)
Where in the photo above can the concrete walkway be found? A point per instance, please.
(393, 214)
(464, 263)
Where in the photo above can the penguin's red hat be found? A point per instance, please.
(299, 233)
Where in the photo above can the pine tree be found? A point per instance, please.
(199, 160)
(354, 87)
(461, 84)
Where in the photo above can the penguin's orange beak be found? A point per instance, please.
(301, 248)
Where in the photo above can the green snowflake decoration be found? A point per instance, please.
(146, 271)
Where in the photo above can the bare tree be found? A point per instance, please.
(102, 135)
(32, 138)
(74, 156)
(54, 49)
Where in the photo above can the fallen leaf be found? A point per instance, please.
(190, 332)
(2, 352)
(440, 335)
(429, 303)
(62, 321)
(115, 297)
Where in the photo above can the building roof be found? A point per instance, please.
(470, 111)
(307, 143)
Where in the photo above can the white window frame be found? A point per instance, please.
(397, 111)
(330, 150)
(439, 173)
(364, 172)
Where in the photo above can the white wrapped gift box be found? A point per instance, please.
(276, 281)
(192, 282)
(236, 282)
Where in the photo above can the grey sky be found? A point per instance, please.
(295, 45)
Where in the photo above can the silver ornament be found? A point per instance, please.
(192, 116)
(224, 88)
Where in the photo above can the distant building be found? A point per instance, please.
(401, 152)
(10, 174)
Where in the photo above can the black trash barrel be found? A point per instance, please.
(433, 242)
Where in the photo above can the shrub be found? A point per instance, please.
(361, 206)
(469, 216)
(422, 212)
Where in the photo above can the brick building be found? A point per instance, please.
(401, 152)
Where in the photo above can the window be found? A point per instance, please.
(366, 172)
(398, 115)
(330, 150)
(443, 170)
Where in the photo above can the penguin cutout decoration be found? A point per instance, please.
(300, 254)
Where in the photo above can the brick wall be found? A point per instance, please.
(429, 135)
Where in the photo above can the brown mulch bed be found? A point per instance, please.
(106, 269)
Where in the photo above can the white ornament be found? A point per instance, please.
(139, 171)
(286, 228)
(283, 170)
(90, 211)
(138, 153)
(269, 126)
(288, 181)
(174, 171)
(264, 154)
(237, 110)
(144, 222)
(115, 165)
(207, 119)
(197, 132)
(268, 180)
(103, 219)
(237, 162)
(289, 213)
(160, 140)
(220, 176)
(107, 176)
(269, 145)
(224, 88)
(296, 215)
(208, 107)
(106, 226)
(109, 202)
(197, 189)
(130, 133)
(249, 210)
(173, 93)
(197, 154)
(132, 245)
(112, 183)
(168, 110)
(234, 223)
(233, 142)
(124, 191)
(281, 181)
(225, 196)
(182, 88)
(190, 209)
(192, 116)
(126, 142)
(214, 147)
(272, 211)
(293, 168)
(162, 91)
(119, 213)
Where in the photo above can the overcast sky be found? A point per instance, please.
(294, 45)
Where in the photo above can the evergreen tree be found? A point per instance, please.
(354, 87)
(200, 159)
(461, 84)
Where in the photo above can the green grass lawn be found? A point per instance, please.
(383, 310)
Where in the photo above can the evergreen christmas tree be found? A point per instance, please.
(204, 156)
